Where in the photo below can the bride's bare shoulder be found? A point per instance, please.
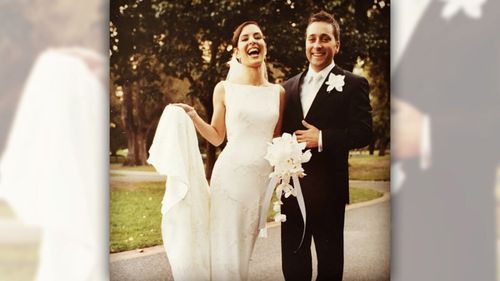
(219, 91)
(219, 87)
(282, 90)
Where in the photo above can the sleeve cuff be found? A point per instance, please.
(320, 142)
(425, 144)
(397, 177)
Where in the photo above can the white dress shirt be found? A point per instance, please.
(310, 87)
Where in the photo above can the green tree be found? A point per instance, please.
(380, 102)
(117, 135)
(144, 87)
(191, 40)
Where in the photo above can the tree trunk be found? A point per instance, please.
(130, 160)
(142, 150)
(371, 147)
(382, 146)
(137, 150)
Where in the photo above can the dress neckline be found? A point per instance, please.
(250, 85)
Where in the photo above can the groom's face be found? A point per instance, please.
(321, 45)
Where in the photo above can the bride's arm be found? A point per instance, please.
(277, 129)
(215, 132)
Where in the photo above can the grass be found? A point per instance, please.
(135, 217)
(357, 195)
(369, 167)
(362, 166)
(118, 166)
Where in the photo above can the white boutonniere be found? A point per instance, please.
(471, 8)
(335, 82)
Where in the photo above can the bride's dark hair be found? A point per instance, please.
(237, 32)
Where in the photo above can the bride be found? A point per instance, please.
(249, 109)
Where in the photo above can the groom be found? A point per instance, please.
(329, 109)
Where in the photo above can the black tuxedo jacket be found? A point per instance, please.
(444, 217)
(346, 123)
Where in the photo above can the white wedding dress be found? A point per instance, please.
(53, 170)
(211, 237)
(185, 206)
(240, 176)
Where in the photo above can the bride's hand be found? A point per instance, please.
(191, 112)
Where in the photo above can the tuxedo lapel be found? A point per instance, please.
(322, 95)
(296, 94)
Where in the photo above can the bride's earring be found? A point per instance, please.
(238, 59)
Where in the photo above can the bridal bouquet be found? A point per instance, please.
(286, 155)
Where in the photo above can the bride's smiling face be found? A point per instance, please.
(252, 48)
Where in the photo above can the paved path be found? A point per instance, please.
(367, 249)
(134, 176)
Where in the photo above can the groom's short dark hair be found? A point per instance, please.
(328, 18)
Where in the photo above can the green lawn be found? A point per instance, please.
(366, 167)
(135, 215)
(136, 219)
(357, 195)
(361, 167)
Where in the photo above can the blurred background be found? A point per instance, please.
(444, 65)
(28, 27)
(53, 145)
(445, 116)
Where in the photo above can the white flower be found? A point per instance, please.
(286, 154)
(335, 82)
(290, 191)
(279, 218)
(472, 8)
(306, 156)
(277, 206)
(279, 190)
(279, 150)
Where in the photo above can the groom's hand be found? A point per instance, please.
(408, 121)
(309, 136)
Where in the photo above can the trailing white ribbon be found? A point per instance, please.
(286, 155)
(267, 200)
(302, 206)
(265, 206)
